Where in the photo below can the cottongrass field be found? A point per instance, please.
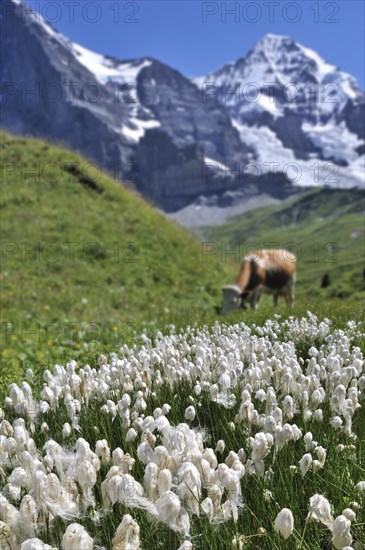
(219, 437)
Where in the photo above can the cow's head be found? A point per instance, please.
(232, 298)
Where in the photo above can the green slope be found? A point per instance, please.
(87, 264)
(85, 260)
(324, 227)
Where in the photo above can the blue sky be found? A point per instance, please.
(197, 37)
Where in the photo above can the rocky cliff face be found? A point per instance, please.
(175, 139)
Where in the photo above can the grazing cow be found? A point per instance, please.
(269, 270)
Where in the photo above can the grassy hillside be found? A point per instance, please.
(325, 228)
(85, 261)
(87, 265)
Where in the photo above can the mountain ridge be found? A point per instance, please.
(157, 129)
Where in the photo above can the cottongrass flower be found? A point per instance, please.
(361, 487)
(238, 542)
(305, 463)
(131, 435)
(284, 523)
(208, 508)
(260, 445)
(7, 538)
(127, 534)
(34, 544)
(66, 430)
(102, 451)
(164, 481)
(171, 512)
(320, 510)
(336, 422)
(341, 535)
(76, 538)
(189, 413)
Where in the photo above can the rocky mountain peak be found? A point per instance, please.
(153, 127)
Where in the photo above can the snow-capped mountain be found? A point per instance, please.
(290, 106)
(176, 139)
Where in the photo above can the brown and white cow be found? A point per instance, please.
(268, 270)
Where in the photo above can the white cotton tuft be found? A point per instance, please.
(166, 408)
(102, 450)
(305, 463)
(117, 456)
(341, 535)
(131, 435)
(208, 508)
(66, 430)
(320, 510)
(168, 507)
(76, 538)
(7, 538)
(284, 523)
(35, 544)
(127, 534)
(164, 481)
(189, 413)
(349, 514)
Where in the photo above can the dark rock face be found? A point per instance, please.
(108, 119)
(187, 115)
(154, 128)
(354, 116)
(289, 128)
(43, 92)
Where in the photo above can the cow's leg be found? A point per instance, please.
(256, 294)
(276, 299)
(291, 284)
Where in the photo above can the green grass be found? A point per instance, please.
(85, 260)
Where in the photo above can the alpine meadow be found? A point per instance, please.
(182, 361)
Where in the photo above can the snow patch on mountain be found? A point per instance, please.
(272, 156)
(136, 128)
(261, 104)
(322, 68)
(105, 70)
(335, 140)
(214, 165)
